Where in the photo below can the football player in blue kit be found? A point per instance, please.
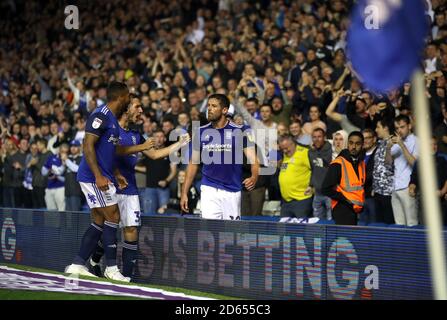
(219, 146)
(96, 178)
(127, 192)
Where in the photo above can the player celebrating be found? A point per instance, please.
(221, 178)
(95, 176)
(127, 193)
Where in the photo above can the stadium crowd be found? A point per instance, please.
(283, 64)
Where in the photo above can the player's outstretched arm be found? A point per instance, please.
(250, 182)
(164, 152)
(126, 150)
(191, 172)
(90, 156)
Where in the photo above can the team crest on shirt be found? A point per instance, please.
(113, 139)
(134, 140)
(96, 123)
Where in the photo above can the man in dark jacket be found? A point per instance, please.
(441, 178)
(320, 156)
(18, 174)
(369, 147)
(347, 194)
(39, 181)
(73, 193)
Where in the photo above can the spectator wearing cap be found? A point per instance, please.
(71, 161)
(54, 168)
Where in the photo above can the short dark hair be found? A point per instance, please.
(387, 123)
(319, 129)
(223, 99)
(252, 100)
(356, 134)
(42, 141)
(115, 90)
(402, 117)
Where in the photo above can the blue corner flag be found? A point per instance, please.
(385, 41)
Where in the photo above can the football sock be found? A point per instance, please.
(88, 244)
(109, 242)
(129, 257)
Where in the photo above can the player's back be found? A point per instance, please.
(126, 164)
(103, 124)
(225, 147)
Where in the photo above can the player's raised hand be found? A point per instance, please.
(249, 183)
(102, 183)
(149, 143)
(184, 203)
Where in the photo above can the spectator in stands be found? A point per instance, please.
(54, 131)
(297, 133)
(339, 142)
(314, 121)
(402, 151)
(71, 161)
(320, 157)
(82, 97)
(18, 160)
(441, 133)
(193, 194)
(370, 148)
(80, 129)
(28, 178)
(281, 111)
(339, 118)
(344, 182)
(383, 174)
(159, 174)
(65, 135)
(441, 169)
(294, 179)
(39, 181)
(9, 150)
(54, 168)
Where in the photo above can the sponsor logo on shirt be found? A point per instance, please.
(216, 147)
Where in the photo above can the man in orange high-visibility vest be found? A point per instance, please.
(345, 180)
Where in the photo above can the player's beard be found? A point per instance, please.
(213, 117)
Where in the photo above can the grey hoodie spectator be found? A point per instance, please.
(320, 157)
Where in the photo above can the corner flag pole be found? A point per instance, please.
(427, 176)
